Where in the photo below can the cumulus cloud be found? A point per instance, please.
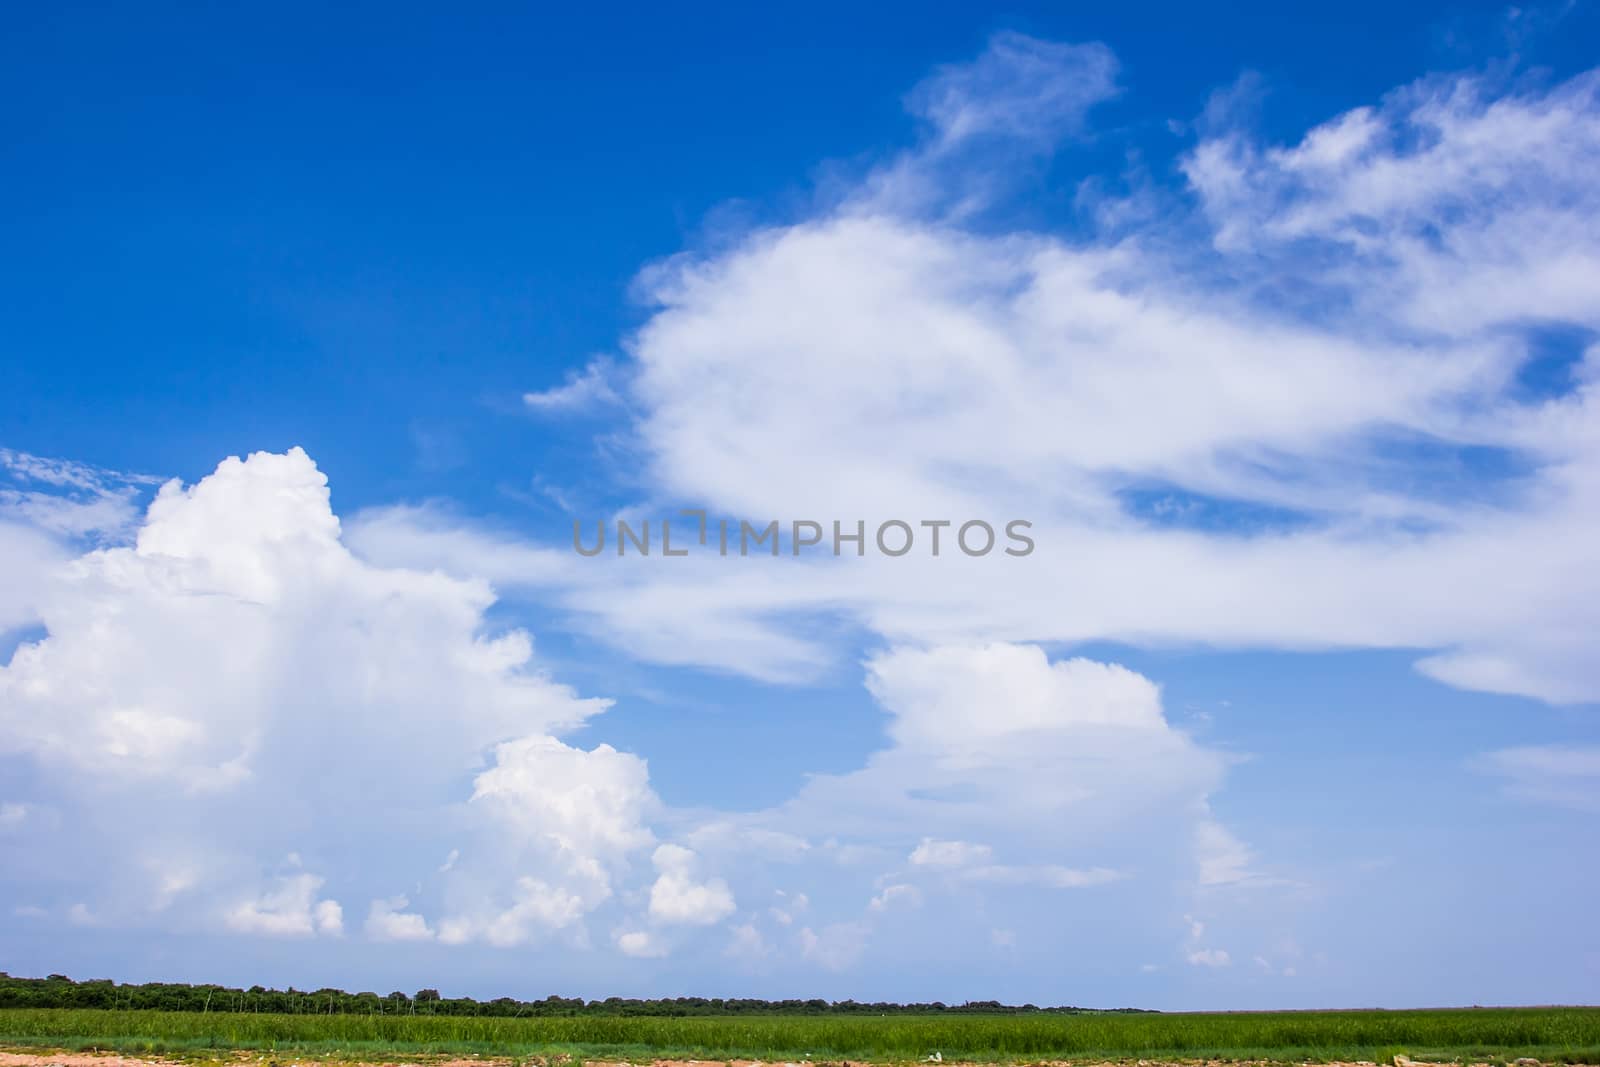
(679, 897)
(200, 658)
(527, 910)
(1004, 776)
(292, 908)
(1210, 957)
(388, 920)
(640, 944)
(896, 896)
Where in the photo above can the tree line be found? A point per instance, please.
(59, 991)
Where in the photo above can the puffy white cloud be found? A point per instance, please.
(236, 648)
(895, 896)
(328, 917)
(1005, 776)
(388, 920)
(679, 897)
(532, 908)
(1210, 957)
(291, 908)
(588, 804)
(641, 944)
(1058, 766)
(995, 739)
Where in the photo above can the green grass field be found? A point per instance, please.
(1494, 1034)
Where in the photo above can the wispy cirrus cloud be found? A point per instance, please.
(582, 392)
(1339, 392)
(1563, 776)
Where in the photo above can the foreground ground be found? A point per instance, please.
(63, 1058)
(1468, 1036)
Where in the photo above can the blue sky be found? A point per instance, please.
(1277, 325)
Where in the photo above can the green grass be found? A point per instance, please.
(1493, 1034)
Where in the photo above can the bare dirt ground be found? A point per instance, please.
(46, 1058)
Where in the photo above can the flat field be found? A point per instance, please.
(1493, 1035)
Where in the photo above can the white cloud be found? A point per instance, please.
(640, 944)
(581, 392)
(587, 804)
(516, 916)
(730, 838)
(1329, 407)
(931, 853)
(1068, 766)
(61, 497)
(199, 659)
(899, 895)
(329, 918)
(784, 914)
(1020, 87)
(1223, 858)
(1465, 205)
(291, 908)
(388, 920)
(1049, 876)
(883, 358)
(679, 897)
